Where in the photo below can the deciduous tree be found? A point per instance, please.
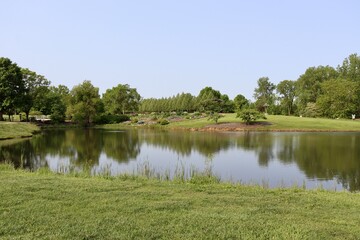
(84, 102)
(264, 94)
(250, 115)
(350, 68)
(286, 89)
(240, 102)
(12, 86)
(36, 89)
(338, 98)
(308, 87)
(121, 99)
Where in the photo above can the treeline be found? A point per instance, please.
(322, 91)
(24, 92)
(208, 100)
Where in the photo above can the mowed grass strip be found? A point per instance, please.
(311, 124)
(52, 206)
(10, 130)
(279, 123)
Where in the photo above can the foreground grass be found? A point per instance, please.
(51, 206)
(280, 123)
(10, 130)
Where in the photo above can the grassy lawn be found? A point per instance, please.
(10, 130)
(45, 205)
(281, 123)
(297, 123)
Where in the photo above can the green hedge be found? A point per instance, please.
(111, 119)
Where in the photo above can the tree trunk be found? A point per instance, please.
(27, 116)
(1, 116)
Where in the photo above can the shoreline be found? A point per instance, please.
(17, 130)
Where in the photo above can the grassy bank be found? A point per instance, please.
(10, 130)
(280, 123)
(50, 206)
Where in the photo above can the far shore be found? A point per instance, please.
(228, 123)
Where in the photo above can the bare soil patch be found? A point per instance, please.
(233, 127)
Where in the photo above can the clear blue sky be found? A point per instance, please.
(165, 47)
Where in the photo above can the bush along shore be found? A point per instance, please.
(46, 205)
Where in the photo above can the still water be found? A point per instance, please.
(312, 160)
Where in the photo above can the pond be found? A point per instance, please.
(270, 159)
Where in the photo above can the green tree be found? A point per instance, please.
(121, 99)
(250, 115)
(240, 102)
(338, 98)
(308, 86)
(286, 89)
(12, 86)
(84, 103)
(63, 91)
(209, 100)
(350, 68)
(264, 94)
(57, 98)
(311, 110)
(227, 106)
(214, 116)
(36, 88)
(187, 102)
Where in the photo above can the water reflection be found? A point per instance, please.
(314, 156)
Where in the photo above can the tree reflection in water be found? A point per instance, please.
(325, 156)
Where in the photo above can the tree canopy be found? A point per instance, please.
(84, 103)
(36, 88)
(121, 99)
(264, 94)
(286, 89)
(12, 86)
(321, 91)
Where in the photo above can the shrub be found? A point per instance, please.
(250, 115)
(110, 119)
(215, 117)
(165, 114)
(311, 110)
(134, 120)
(197, 114)
(57, 117)
(163, 122)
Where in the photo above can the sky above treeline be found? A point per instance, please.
(165, 47)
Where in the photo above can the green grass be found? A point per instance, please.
(280, 123)
(10, 130)
(45, 205)
(297, 123)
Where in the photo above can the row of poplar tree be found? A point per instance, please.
(322, 91)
